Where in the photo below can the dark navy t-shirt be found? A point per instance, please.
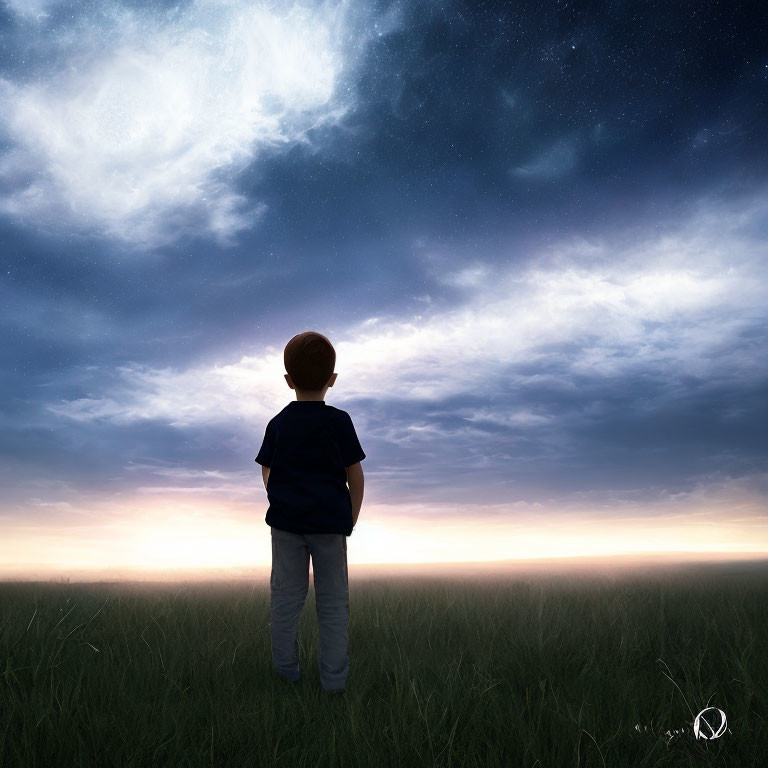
(307, 447)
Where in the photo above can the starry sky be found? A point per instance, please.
(534, 232)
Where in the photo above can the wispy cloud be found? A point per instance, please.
(675, 306)
(31, 10)
(137, 126)
(556, 160)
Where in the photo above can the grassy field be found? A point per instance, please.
(588, 671)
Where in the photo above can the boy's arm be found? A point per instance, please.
(265, 475)
(356, 484)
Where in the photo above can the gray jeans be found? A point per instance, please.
(289, 584)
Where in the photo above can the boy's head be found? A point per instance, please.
(309, 359)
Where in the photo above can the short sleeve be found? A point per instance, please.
(351, 451)
(267, 450)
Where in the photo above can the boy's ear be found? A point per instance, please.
(332, 380)
(288, 381)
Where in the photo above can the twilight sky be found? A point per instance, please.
(535, 233)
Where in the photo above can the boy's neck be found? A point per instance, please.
(310, 397)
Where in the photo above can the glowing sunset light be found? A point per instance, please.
(198, 535)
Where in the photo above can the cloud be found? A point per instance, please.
(137, 126)
(33, 10)
(674, 307)
(555, 161)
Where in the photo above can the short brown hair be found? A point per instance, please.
(309, 359)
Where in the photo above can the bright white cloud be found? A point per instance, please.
(140, 128)
(672, 306)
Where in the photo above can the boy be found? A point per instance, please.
(309, 454)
